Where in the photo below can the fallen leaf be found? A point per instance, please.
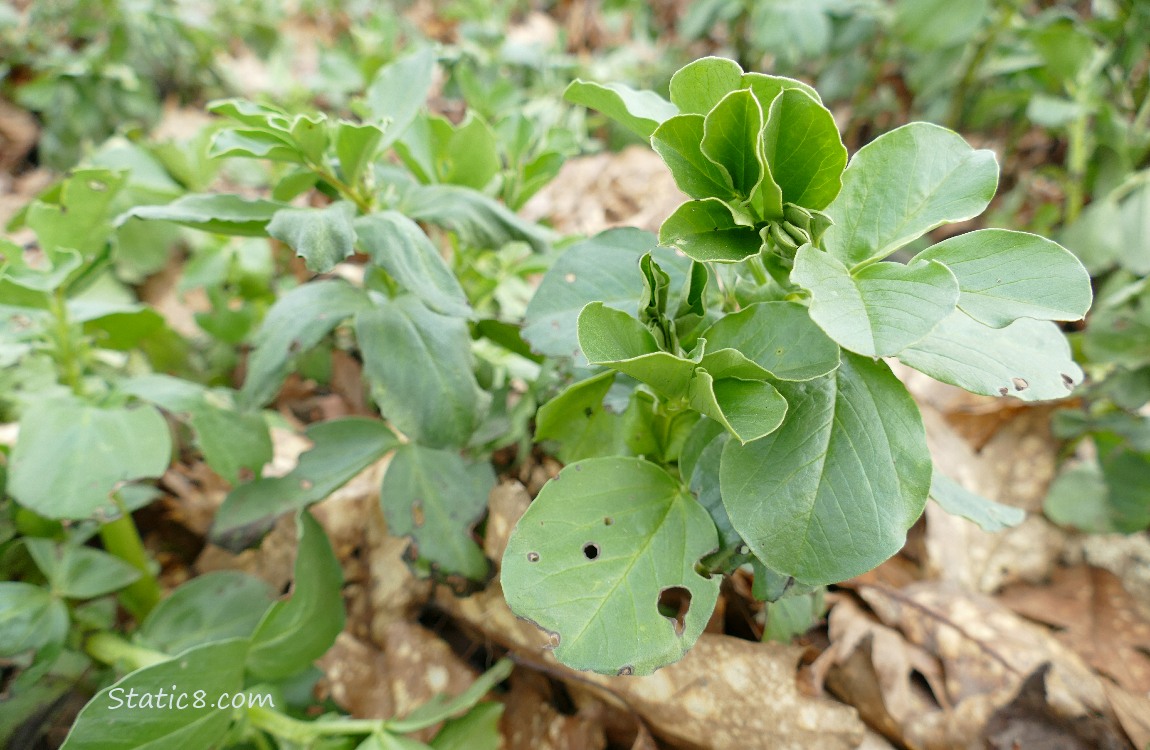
(1030, 720)
(1096, 617)
(532, 722)
(725, 693)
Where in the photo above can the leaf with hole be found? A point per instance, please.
(595, 553)
(1028, 359)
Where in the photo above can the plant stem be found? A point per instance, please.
(286, 728)
(67, 357)
(110, 648)
(347, 191)
(122, 539)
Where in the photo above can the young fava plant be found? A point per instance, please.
(740, 409)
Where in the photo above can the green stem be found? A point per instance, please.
(110, 648)
(294, 730)
(347, 191)
(1076, 155)
(67, 355)
(122, 539)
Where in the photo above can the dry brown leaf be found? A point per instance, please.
(532, 722)
(1029, 720)
(1014, 468)
(354, 678)
(591, 193)
(726, 693)
(1096, 617)
(872, 667)
(987, 652)
(1133, 713)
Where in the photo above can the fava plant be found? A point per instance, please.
(739, 406)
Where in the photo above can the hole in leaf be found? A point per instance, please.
(674, 602)
(97, 186)
(417, 516)
(590, 550)
(532, 557)
(553, 640)
(569, 278)
(608, 521)
(625, 670)
(1020, 384)
(306, 484)
(1003, 391)
(1067, 381)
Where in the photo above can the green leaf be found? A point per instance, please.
(250, 113)
(254, 144)
(704, 483)
(30, 617)
(803, 150)
(233, 443)
(479, 221)
(903, 184)
(219, 213)
(791, 616)
(70, 456)
(216, 606)
(831, 494)
(638, 111)
(697, 87)
(399, 92)
(880, 309)
(107, 722)
(321, 236)
(1008, 275)
(928, 25)
(76, 572)
(596, 551)
(731, 139)
(959, 501)
(1079, 499)
(604, 268)
(583, 424)
(295, 323)
(356, 145)
(341, 448)
(14, 268)
(397, 245)
(749, 409)
(780, 337)
(677, 141)
(466, 154)
(78, 217)
(296, 632)
(478, 729)
(436, 498)
(708, 231)
(419, 363)
(1028, 359)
